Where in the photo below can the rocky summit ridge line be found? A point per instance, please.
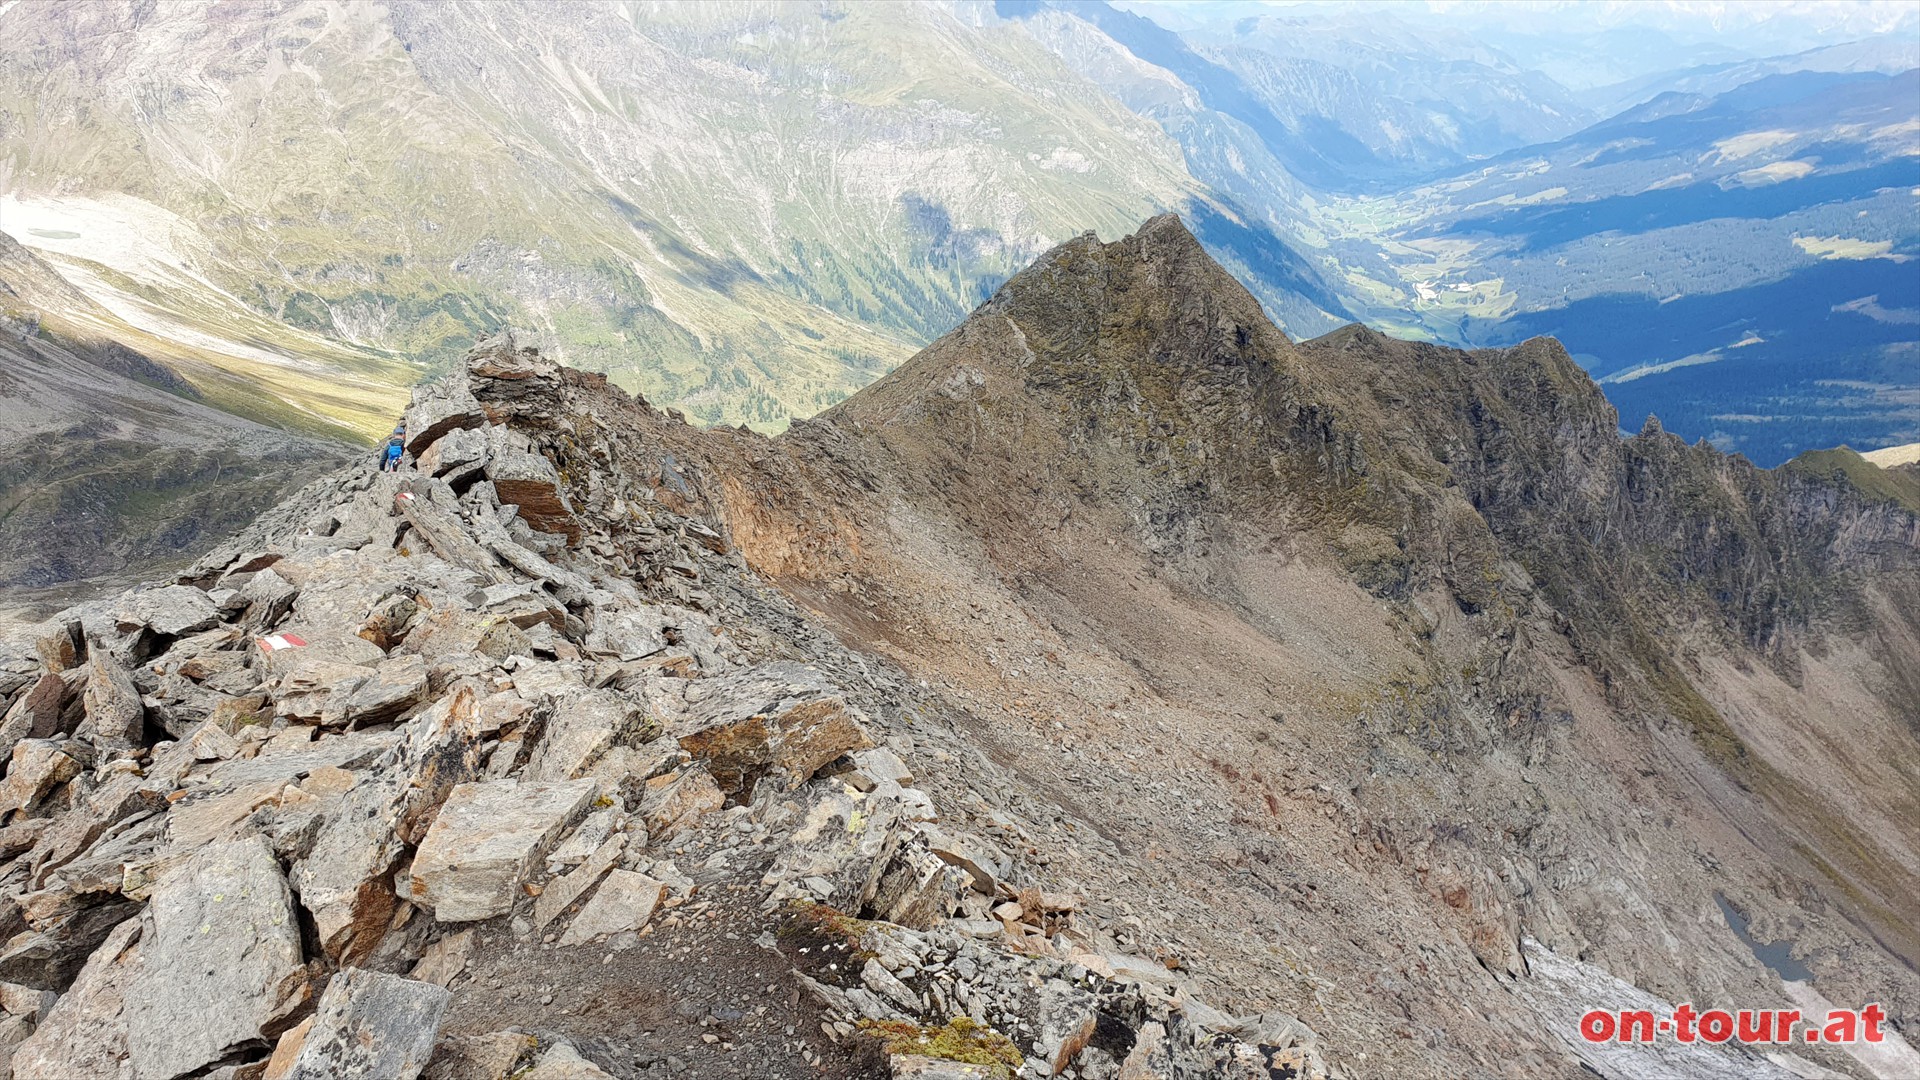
(1117, 690)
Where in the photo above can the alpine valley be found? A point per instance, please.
(957, 541)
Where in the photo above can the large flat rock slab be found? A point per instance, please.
(486, 839)
(222, 964)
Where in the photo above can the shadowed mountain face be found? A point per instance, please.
(1394, 650)
(115, 464)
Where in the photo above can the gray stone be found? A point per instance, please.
(627, 635)
(487, 838)
(563, 1062)
(455, 455)
(221, 961)
(266, 598)
(84, 1034)
(115, 716)
(561, 892)
(625, 901)
(345, 879)
(371, 1026)
(437, 409)
(983, 862)
(492, 1056)
(915, 1067)
(395, 686)
(530, 482)
(585, 724)
(1065, 1018)
(444, 533)
(172, 611)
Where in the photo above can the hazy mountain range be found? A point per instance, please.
(747, 211)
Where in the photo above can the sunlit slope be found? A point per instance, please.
(741, 210)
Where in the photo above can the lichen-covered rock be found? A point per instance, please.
(371, 1026)
(200, 995)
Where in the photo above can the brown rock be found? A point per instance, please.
(287, 1050)
(37, 767)
(63, 648)
(530, 482)
(371, 1026)
(44, 705)
(492, 1056)
(672, 802)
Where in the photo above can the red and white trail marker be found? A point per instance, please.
(276, 642)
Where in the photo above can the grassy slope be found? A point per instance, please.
(745, 212)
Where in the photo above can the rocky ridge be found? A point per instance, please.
(400, 736)
(1117, 690)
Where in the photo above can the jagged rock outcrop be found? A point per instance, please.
(1118, 690)
(402, 709)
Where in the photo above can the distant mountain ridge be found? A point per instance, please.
(747, 212)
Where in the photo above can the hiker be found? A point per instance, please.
(396, 447)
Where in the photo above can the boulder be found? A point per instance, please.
(84, 1034)
(63, 647)
(37, 767)
(501, 372)
(487, 838)
(443, 532)
(371, 1026)
(63, 939)
(674, 801)
(455, 456)
(452, 632)
(351, 695)
(345, 879)
(42, 706)
(625, 901)
(437, 409)
(492, 1056)
(170, 611)
(983, 862)
(444, 959)
(200, 995)
(116, 718)
(561, 892)
(527, 480)
(585, 724)
(626, 635)
(877, 766)
(779, 716)
(266, 598)
(1066, 1017)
